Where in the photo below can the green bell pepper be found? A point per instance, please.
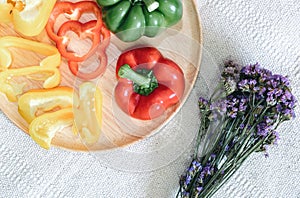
(131, 19)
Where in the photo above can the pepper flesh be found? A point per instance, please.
(43, 128)
(99, 51)
(170, 88)
(47, 71)
(53, 58)
(74, 11)
(12, 89)
(88, 112)
(29, 17)
(50, 110)
(131, 19)
(36, 102)
(94, 30)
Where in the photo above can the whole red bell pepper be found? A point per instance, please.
(94, 30)
(148, 83)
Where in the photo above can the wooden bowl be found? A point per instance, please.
(182, 43)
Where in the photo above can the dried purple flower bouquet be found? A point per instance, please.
(241, 117)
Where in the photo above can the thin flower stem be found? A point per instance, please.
(215, 142)
(220, 85)
(200, 135)
(227, 140)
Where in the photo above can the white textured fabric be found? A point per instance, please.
(252, 31)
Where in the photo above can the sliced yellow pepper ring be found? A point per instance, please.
(53, 58)
(43, 128)
(50, 76)
(88, 112)
(28, 16)
(36, 102)
(47, 71)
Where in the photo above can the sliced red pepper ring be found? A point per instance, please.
(140, 95)
(74, 67)
(83, 32)
(101, 55)
(74, 11)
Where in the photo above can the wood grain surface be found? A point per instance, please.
(181, 43)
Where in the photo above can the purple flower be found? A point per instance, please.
(289, 114)
(199, 188)
(242, 126)
(191, 171)
(219, 106)
(188, 179)
(265, 149)
(251, 70)
(203, 103)
(227, 148)
(236, 105)
(263, 129)
(276, 137)
(207, 170)
(269, 121)
(231, 70)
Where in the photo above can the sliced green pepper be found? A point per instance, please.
(131, 19)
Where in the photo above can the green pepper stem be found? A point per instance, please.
(126, 72)
(151, 5)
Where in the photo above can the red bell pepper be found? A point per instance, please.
(94, 30)
(148, 83)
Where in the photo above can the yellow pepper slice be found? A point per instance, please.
(47, 71)
(88, 112)
(12, 89)
(50, 110)
(28, 16)
(36, 102)
(43, 128)
(53, 58)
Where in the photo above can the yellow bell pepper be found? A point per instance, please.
(29, 17)
(36, 102)
(88, 112)
(51, 110)
(43, 128)
(47, 71)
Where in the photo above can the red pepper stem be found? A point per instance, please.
(126, 72)
(151, 5)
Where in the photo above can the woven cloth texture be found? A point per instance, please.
(253, 31)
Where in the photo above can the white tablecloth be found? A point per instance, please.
(252, 31)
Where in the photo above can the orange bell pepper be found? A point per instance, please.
(47, 71)
(29, 17)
